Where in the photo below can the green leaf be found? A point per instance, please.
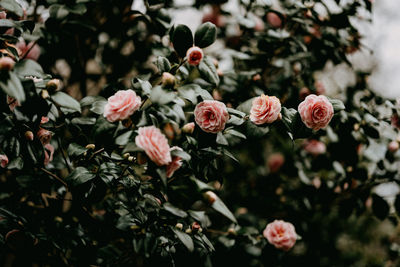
(16, 163)
(174, 210)
(98, 107)
(208, 71)
(102, 126)
(89, 100)
(337, 105)
(28, 67)
(289, 117)
(13, 87)
(12, 6)
(184, 238)
(163, 64)
(221, 139)
(83, 121)
(76, 150)
(235, 133)
(380, 207)
(160, 96)
(220, 206)
(180, 153)
(236, 112)
(79, 176)
(123, 139)
(58, 11)
(246, 106)
(182, 39)
(205, 35)
(66, 101)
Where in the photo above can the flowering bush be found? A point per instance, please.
(121, 145)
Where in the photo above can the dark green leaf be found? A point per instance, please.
(220, 206)
(174, 210)
(76, 150)
(13, 87)
(12, 6)
(66, 101)
(28, 67)
(163, 64)
(380, 207)
(79, 176)
(184, 238)
(205, 35)
(182, 39)
(208, 71)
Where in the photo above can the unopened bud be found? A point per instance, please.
(188, 128)
(131, 158)
(231, 231)
(196, 227)
(179, 226)
(188, 231)
(126, 155)
(210, 197)
(53, 85)
(6, 63)
(45, 94)
(29, 135)
(393, 146)
(90, 146)
(168, 80)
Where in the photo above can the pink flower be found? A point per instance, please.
(281, 234)
(211, 116)
(121, 105)
(29, 135)
(3, 15)
(3, 161)
(44, 136)
(175, 164)
(12, 103)
(316, 111)
(31, 50)
(194, 55)
(275, 162)
(314, 147)
(274, 20)
(155, 144)
(265, 109)
(44, 120)
(48, 158)
(6, 63)
(393, 146)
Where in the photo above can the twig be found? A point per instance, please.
(96, 152)
(54, 176)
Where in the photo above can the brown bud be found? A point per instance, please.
(6, 63)
(29, 135)
(168, 80)
(188, 128)
(53, 85)
(90, 146)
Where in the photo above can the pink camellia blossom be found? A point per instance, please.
(275, 162)
(314, 147)
(175, 164)
(6, 63)
(28, 51)
(281, 234)
(121, 105)
(265, 109)
(48, 158)
(3, 161)
(316, 111)
(274, 20)
(211, 116)
(194, 55)
(12, 103)
(44, 136)
(393, 146)
(155, 144)
(44, 120)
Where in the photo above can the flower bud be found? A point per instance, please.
(210, 197)
(6, 63)
(231, 231)
(168, 80)
(53, 85)
(196, 227)
(393, 146)
(3, 161)
(44, 136)
(169, 131)
(90, 146)
(194, 55)
(188, 128)
(188, 231)
(29, 135)
(45, 94)
(274, 20)
(131, 158)
(126, 155)
(179, 226)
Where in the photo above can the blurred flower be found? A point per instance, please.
(316, 111)
(3, 160)
(44, 136)
(265, 109)
(304, 92)
(194, 55)
(314, 147)
(167, 79)
(48, 158)
(44, 120)
(275, 162)
(121, 105)
(6, 63)
(281, 234)
(12, 103)
(393, 146)
(155, 144)
(274, 20)
(29, 51)
(188, 128)
(211, 116)
(175, 164)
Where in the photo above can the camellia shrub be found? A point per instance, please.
(128, 140)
